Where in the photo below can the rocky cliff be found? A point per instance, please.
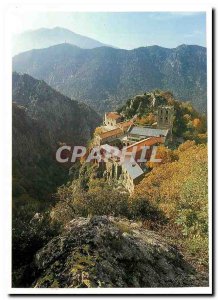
(109, 252)
(42, 120)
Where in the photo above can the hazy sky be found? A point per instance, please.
(124, 30)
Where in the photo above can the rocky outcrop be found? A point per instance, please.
(110, 252)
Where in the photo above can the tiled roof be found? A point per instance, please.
(125, 124)
(144, 131)
(146, 142)
(110, 133)
(113, 115)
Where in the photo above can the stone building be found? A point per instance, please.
(109, 136)
(128, 173)
(138, 133)
(126, 170)
(137, 147)
(112, 119)
(127, 135)
(131, 175)
(165, 117)
(125, 125)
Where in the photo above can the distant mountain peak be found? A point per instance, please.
(46, 37)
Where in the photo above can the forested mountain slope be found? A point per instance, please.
(105, 77)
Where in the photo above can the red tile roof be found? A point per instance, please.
(113, 115)
(146, 142)
(111, 133)
(125, 125)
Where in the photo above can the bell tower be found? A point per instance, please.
(165, 117)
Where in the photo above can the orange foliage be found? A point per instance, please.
(146, 120)
(164, 183)
(165, 154)
(98, 130)
(196, 123)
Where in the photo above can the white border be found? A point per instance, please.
(5, 118)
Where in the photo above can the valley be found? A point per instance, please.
(111, 221)
(48, 195)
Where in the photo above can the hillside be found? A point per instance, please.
(46, 37)
(42, 119)
(126, 236)
(105, 77)
(188, 122)
(65, 120)
(179, 188)
(171, 200)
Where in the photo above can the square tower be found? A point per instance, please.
(165, 117)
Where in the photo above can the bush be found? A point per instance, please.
(179, 189)
(102, 199)
(142, 209)
(30, 232)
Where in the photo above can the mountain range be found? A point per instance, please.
(105, 77)
(45, 37)
(80, 229)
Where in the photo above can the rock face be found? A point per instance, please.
(64, 119)
(43, 120)
(110, 252)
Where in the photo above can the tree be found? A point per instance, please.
(179, 189)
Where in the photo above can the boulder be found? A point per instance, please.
(110, 252)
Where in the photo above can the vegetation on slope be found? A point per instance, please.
(179, 188)
(105, 77)
(172, 198)
(42, 120)
(188, 123)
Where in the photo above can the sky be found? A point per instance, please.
(125, 30)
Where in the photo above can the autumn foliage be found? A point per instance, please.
(179, 189)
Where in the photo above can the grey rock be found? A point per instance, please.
(108, 252)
